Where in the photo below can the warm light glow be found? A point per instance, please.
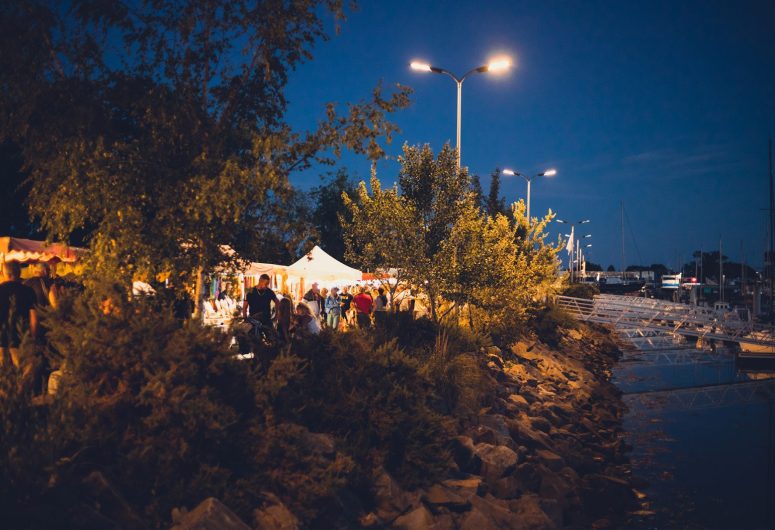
(509, 172)
(499, 64)
(422, 67)
(550, 172)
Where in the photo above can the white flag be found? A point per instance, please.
(569, 246)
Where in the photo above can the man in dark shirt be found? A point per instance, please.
(258, 302)
(17, 315)
(347, 300)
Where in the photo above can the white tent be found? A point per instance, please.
(319, 266)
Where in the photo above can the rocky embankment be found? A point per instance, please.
(547, 453)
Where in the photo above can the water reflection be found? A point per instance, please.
(703, 445)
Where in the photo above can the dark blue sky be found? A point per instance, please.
(664, 106)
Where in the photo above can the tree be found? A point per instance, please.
(380, 232)
(14, 220)
(611, 268)
(439, 193)
(495, 204)
(172, 149)
(327, 207)
(594, 267)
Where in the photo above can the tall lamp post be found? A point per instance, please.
(496, 65)
(572, 231)
(547, 173)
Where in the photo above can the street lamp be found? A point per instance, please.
(547, 173)
(494, 66)
(572, 231)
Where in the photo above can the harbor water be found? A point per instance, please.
(702, 435)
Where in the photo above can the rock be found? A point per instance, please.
(489, 512)
(554, 510)
(527, 477)
(522, 432)
(211, 514)
(551, 460)
(541, 424)
(467, 487)
(418, 519)
(517, 371)
(275, 516)
(464, 455)
(527, 510)
(441, 496)
(575, 334)
(390, 500)
(497, 461)
(519, 401)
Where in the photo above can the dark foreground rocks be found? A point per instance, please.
(547, 452)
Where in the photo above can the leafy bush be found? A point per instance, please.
(168, 415)
(581, 290)
(548, 322)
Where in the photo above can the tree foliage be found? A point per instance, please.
(432, 231)
(159, 125)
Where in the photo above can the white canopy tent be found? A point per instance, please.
(317, 265)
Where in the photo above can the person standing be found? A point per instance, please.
(17, 315)
(333, 309)
(347, 300)
(258, 302)
(363, 303)
(380, 307)
(314, 300)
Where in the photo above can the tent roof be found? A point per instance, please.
(318, 265)
(257, 269)
(27, 250)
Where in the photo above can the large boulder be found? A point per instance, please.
(528, 512)
(275, 516)
(210, 514)
(440, 496)
(391, 501)
(497, 461)
(418, 519)
(464, 455)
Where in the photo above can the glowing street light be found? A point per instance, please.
(498, 64)
(547, 173)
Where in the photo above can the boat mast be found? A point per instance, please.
(720, 271)
(621, 204)
(768, 261)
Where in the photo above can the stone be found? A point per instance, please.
(554, 510)
(464, 455)
(418, 519)
(540, 423)
(497, 461)
(519, 401)
(211, 514)
(551, 460)
(527, 510)
(390, 500)
(275, 517)
(528, 478)
(441, 496)
(467, 487)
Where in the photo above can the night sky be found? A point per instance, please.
(664, 106)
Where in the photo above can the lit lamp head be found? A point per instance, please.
(420, 67)
(510, 172)
(548, 173)
(498, 64)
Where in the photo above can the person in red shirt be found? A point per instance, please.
(363, 303)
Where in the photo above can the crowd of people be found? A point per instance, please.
(319, 308)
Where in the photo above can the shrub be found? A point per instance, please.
(581, 290)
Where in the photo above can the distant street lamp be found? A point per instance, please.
(572, 231)
(547, 173)
(494, 66)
